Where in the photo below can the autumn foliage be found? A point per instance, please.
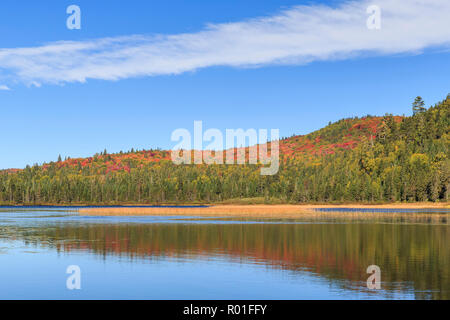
(368, 159)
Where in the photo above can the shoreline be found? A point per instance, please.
(405, 205)
(263, 211)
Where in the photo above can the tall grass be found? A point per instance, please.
(269, 211)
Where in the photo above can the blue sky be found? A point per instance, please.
(78, 109)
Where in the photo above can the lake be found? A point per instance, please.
(170, 257)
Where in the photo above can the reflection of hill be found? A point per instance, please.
(418, 254)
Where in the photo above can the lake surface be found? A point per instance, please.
(219, 258)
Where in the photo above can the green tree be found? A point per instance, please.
(418, 105)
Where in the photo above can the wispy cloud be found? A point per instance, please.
(299, 35)
(4, 88)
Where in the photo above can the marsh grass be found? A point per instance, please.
(308, 212)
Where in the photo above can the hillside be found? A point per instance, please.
(359, 159)
(343, 135)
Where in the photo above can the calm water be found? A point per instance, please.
(219, 258)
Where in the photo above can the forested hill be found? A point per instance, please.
(360, 159)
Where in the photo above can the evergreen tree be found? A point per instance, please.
(418, 105)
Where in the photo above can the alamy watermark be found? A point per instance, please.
(374, 20)
(73, 282)
(233, 152)
(374, 280)
(74, 20)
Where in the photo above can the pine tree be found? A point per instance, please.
(418, 105)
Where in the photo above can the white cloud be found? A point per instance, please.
(299, 35)
(4, 88)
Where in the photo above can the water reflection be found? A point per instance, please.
(413, 257)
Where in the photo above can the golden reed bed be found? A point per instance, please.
(266, 211)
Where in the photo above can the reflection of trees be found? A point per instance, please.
(418, 254)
